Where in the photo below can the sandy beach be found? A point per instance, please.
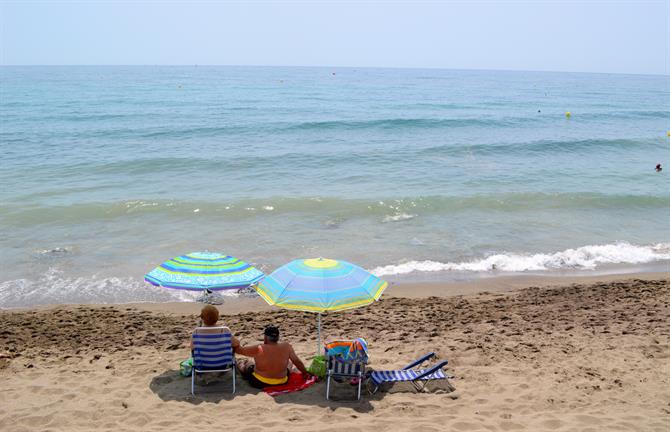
(589, 354)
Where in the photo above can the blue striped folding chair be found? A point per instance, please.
(342, 365)
(212, 352)
(419, 378)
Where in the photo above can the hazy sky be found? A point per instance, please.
(596, 36)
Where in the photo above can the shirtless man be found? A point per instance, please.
(271, 360)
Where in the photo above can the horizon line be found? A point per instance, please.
(667, 74)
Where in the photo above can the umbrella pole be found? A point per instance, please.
(318, 333)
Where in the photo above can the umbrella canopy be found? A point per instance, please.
(320, 285)
(204, 270)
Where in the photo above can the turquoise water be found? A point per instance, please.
(414, 174)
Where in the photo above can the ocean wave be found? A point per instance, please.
(85, 117)
(166, 132)
(194, 165)
(221, 130)
(541, 146)
(388, 209)
(233, 164)
(229, 164)
(625, 114)
(198, 131)
(149, 165)
(226, 129)
(115, 125)
(583, 258)
(56, 287)
(398, 217)
(395, 124)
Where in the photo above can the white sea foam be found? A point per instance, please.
(585, 257)
(57, 251)
(398, 217)
(57, 287)
(54, 287)
(137, 205)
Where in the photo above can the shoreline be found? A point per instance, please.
(503, 283)
(415, 290)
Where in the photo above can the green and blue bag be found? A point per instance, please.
(318, 367)
(186, 367)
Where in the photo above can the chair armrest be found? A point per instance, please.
(418, 362)
(432, 370)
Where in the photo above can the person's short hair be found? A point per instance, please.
(209, 315)
(272, 333)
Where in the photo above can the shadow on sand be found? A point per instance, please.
(170, 386)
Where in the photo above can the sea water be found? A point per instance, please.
(413, 174)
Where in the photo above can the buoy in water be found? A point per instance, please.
(669, 133)
(568, 114)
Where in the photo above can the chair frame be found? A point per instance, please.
(419, 383)
(357, 364)
(195, 370)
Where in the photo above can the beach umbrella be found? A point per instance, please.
(320, 285)
(199, 271)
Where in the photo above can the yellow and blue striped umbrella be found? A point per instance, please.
(204, 270)
(320, 285)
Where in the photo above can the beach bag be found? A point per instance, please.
(348, 350)
(186, 367)
(318, 367)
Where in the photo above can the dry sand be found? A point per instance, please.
(588, 356)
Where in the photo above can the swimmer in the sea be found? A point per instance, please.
(659, 168)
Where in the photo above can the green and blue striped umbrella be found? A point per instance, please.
(204, 270)
(320, 285)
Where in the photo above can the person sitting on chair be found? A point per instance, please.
(209, 316)
(271, 360)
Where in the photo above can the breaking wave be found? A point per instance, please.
(55, 287)
(582, 258)
(389, 209)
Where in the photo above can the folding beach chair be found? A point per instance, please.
(212, 352)
(419, 378)
(346, 360)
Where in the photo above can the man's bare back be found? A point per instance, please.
(271, 359)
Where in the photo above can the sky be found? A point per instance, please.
(595, 36)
